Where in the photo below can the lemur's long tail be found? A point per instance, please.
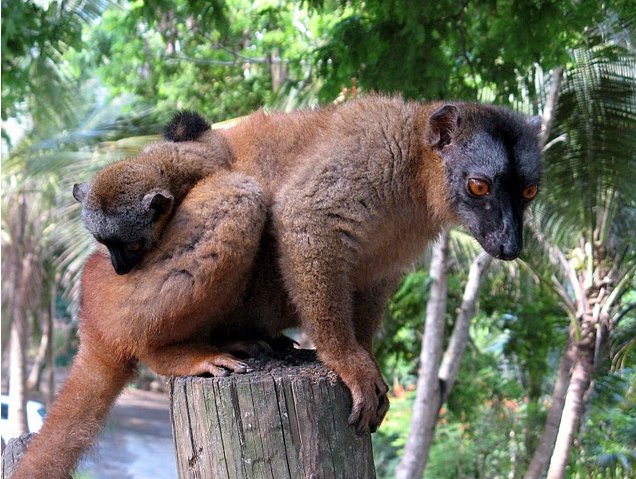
(78, 414)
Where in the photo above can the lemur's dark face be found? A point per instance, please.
(130, 230)
(492, 162)
(126, 237)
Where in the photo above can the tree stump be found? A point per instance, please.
(13, 452)
(285, 420)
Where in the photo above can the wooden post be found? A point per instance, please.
(13, 452)
(285, 420)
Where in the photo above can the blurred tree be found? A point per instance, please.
(36, 83)
(585, 224)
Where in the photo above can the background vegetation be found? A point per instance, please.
(85, 83)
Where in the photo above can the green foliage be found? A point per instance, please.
(533, 322)
(624, 334)
(35, 79)
(480, 433)
(216, 57)
(389, 440)
(399, 348)
(608, 436)
(593, 168)
(450, 49)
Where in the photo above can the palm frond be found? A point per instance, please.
(591, 176)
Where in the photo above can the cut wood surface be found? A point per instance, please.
(287, 419)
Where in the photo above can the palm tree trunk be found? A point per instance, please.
(21, 269)
(35, 375)
(574, 399)
(17, 378)
(448, 369)
(50, 359)
(428, 398)
(550, 105)
(543, 452)
(17, 358)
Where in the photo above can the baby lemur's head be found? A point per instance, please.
(492, 161)
(125, 207)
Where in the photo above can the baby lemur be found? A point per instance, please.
(128, 203)
(307, 218)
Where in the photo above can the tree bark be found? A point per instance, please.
(278, 70)
(543, 452)
(285, 420)
(44, 360)
(21, 305)
(26, 277)
(427, 396)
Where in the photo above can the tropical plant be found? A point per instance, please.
(585, 225)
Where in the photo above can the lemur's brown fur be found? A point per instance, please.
(312, 223)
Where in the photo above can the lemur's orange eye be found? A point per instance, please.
(134, 246)
(530, 192)
(477, 187)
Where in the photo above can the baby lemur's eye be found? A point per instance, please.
(477, 187)
(135, 246)
(530, 192)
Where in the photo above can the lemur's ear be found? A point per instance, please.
(80, 190)
(158, 202)
(185, 126)
(535, 122)
(442, 124)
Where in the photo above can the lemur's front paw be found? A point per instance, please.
(368, 392)
(220, 365)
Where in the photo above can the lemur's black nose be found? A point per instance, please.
(509, 251)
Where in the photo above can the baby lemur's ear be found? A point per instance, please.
(80, 190)
(158, 202)
(441, 125)
(185, 126)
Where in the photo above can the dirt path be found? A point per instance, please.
(137, 440)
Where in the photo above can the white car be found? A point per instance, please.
(35, 416)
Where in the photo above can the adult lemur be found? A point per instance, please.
(307, 218)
